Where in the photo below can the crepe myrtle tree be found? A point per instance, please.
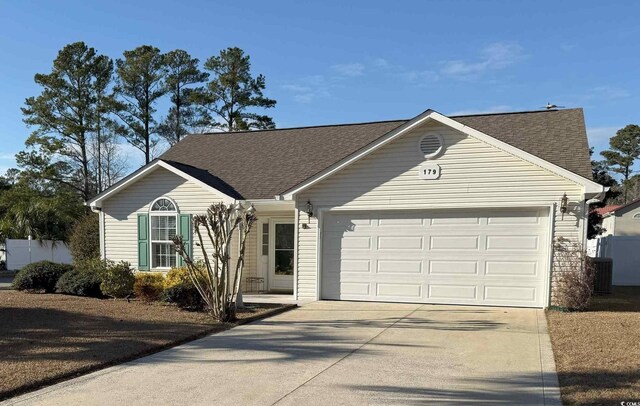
(216, 278)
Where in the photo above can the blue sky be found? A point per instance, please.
(350, 61)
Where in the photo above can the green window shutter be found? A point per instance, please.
(143, 242)
(185, 232)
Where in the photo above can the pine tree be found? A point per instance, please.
(233, 94)
(139, 85)
(182, 73)
(63, 115)
(623, 152)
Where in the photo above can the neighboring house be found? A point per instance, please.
(621, 220)
(620, 241)
(434, 209)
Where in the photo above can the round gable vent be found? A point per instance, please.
(431, 145)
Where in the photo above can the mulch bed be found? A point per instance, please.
(597, 352)
(47, 338)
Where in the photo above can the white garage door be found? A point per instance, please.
(489, 257)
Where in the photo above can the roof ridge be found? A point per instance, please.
(302, 127)
(381, 122)
(507, 113)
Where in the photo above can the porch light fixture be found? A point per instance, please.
(251, 210)
(238, 209)
(564, 202)
(309, 209)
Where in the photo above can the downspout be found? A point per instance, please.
(594, 200)
(103, 250)
(101, 227)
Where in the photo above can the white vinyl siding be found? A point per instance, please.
(121, 210)
(473, 175)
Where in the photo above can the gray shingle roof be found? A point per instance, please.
(262, 164)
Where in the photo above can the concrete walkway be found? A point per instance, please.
(329, 353)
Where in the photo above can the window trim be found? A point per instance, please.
(264, 242)
(160, 213)
(438, 152)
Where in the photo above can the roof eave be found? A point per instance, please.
(96, 201)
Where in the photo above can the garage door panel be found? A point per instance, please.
(351, 265)
(453, 267)
(387, 222)
(349, 243)
(490, 257)
(445, 221)
(395, 267)
(400, 243)
(513, 242)
(523, 217)
(355, 289)
(511, 268)
(510, 294)
(399, 290)
(454, 242)
(453, 292)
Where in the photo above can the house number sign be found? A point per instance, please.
(429, 171)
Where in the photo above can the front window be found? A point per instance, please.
(164, 226)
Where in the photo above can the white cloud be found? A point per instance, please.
(7, 156)
(419, 76)
(381, 63)
(349, 69)
(600, 93)
(494, 57)
(493, 109)
(307, 89)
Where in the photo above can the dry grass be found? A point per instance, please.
(597, 352)
(48, 338)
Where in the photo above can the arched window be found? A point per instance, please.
(164, 226)
(163, 204)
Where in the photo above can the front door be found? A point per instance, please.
(282, 247)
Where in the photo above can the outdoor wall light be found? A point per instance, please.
(251, 210)
(309, 209)
(238, 209)
(564, 202)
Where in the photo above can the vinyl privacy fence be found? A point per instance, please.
(23, 252)
(625, 253)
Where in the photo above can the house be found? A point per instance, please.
(435, 209)
(621, 220)
(620, 241)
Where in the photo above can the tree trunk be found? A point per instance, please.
(178, 106)
(85, 165)
(146, 126)
(99, 146)
(239, 300)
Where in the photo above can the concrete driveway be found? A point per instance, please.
(340, 353)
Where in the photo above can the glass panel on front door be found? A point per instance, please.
(284, 246)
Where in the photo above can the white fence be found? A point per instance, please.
(23, 252)
(625, 253)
